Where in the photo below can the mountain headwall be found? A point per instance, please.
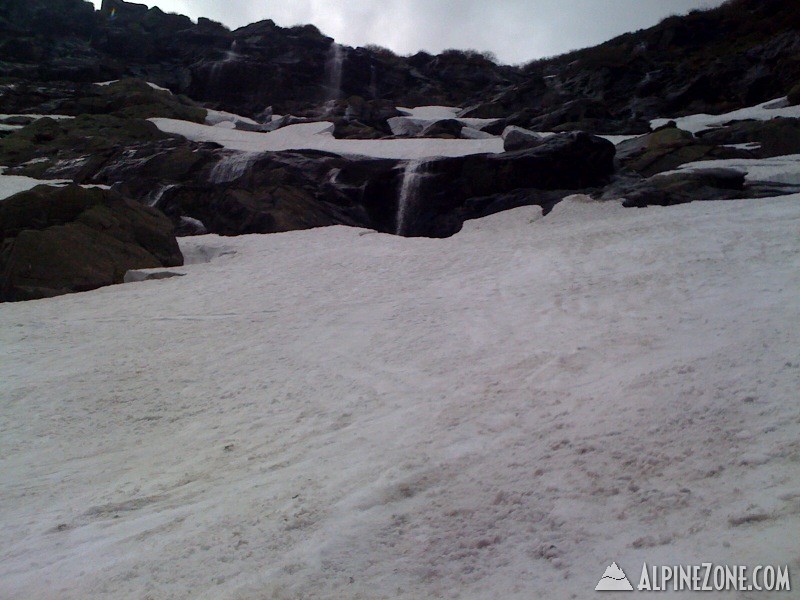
(744, 52)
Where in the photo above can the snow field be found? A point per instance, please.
(318, 136)
(343, 414)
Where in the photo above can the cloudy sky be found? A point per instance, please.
(515, 30)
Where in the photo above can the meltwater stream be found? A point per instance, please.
(334, 65)
(408, 199)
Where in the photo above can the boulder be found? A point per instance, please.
(355, 130)
(677, 188)
(405, 126)
(667, 149)
(470, 133)
(445, 129)
(517, 138)
(794, 95)
(60, 240)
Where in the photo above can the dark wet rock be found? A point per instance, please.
(124, 98)
(677, 188)
(355, 130)
(149, 275)
(61, 240)
(449, 186)
(667, 149)
(134, 98)
(667, 137)
(794, 95)
(88, 137)
(766, 139)
(284, 191)
(517, 138)
(740, 53)
(470, 133)
(373, 113)
(574, 115)
(483, 206)
(445, 129)
(280, 191)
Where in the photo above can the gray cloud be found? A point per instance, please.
(515, 30)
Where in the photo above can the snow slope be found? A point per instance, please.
(342, 414)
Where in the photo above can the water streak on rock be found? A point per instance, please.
(408, 199)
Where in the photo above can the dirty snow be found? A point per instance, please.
(761, 112)
(345, 415)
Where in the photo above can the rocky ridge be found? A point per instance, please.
(61, 125)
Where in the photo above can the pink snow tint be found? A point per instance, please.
(341, 414)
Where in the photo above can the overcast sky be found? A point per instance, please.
(515, 30)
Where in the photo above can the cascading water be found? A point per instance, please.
(232, 166)
(409, 194)
(334, 65)
(230, 56)
(155, 196)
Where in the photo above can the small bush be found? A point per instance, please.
(380, 51)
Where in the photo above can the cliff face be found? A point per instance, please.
(744, 52)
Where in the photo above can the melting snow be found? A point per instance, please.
(780, 169)
(760, 112)
(342, 414)
(422, 116)
(14, 184)
(215, 117)
(318, 136)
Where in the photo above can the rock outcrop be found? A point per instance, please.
(669, 148)
(61, 240)
(741, 53)
(452, 190)
(677, 188)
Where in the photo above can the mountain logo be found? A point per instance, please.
(614, 580)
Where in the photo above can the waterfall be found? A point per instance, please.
(230, 56)
(154, 197)
(333, 71)
(409, 194)
(232, 166)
